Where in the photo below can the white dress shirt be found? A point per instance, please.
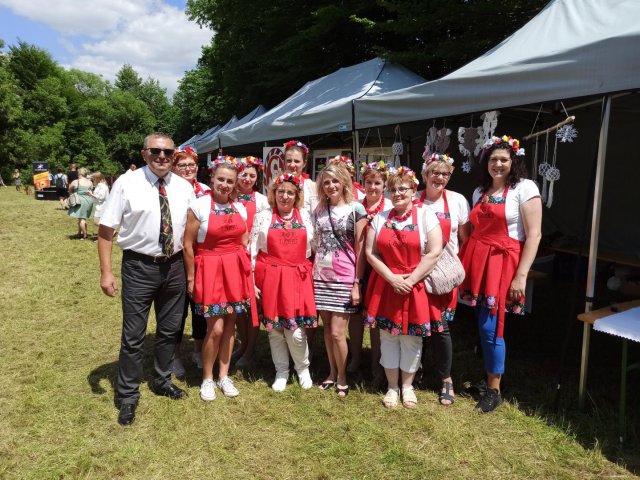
(134, 206)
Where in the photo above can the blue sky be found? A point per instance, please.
(101, 35)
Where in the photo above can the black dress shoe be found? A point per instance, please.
(490, 401)
(172, 391)
(127, 413)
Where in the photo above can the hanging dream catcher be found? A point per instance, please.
(552, 174)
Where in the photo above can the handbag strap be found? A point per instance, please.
(339, 239)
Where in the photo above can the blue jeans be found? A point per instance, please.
(494, 349)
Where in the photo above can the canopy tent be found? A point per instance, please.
(190, 142)
(323, 105)
(193, 140)
(572, 48)
(212, 141)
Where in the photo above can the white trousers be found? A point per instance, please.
(400, 351)
(287, 342)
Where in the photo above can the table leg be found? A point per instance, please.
(584, 364)
(623, 391)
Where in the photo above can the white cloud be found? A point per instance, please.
(155, 38)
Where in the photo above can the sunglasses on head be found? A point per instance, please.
(168, 152)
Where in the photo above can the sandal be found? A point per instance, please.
(447, 395)
(342, 391)
(409, 399)
(390, 400)
(326, 385)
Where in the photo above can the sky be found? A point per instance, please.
(99, 36)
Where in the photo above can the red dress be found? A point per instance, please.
(447, 302)
(223, 283)
(249, 202)
(410, 314)
(490, 258)
(285, 276)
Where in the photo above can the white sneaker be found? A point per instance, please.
(208, 390)
(280, 383)
(178, 368)
(196, 358)
(228, 388)
(304, 377)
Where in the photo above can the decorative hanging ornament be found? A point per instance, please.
(567, 133)
(552, 175)
(397, 148)
(489, 124)
(443, 140)
(466, 166)
(470, 143)
(542, 171)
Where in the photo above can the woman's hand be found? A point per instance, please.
(516, 291)
(400, 284)
(258, 293)
(355, 294)
(190, 288)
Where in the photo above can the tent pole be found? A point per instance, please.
(355, 138)
(593, 248)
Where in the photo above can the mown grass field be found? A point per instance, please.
(59, 343)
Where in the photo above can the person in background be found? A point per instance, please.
(452, 210)
(185, 165)
(219, 273)
(132, 168)
(358, 190)
(2, 184)
(61, 183)
(339, 222)
(506, 219)
(150, 207)
(374, 177)
(72, 175)
(99, 195)
(17, 180)
(250, 177)
(295, 161)
(403, 245)
(82, 186)
(280, 249)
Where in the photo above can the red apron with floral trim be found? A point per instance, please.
(223, 283)
(490, 258)
(447, 302)
(410, 314)
(285, 277)
(249, 202)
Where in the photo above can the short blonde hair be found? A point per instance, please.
(83, 172)
(399, 178)
(432, 166)
(271, 195)
(339, 172)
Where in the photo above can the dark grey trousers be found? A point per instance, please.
(145, 283)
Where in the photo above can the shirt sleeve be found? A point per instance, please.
(241, 210)
(527, 189)
(359, 211)
(463, 209)
(308, 224)
(262, 203)
(114, 206)
(475, 198)
(430, 221)
(257, 237)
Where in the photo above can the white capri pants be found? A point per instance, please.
(400, 351)
(285, 342)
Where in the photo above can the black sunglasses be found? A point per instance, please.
(168, 152)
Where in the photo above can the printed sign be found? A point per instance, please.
(41, 180)
(273, 162)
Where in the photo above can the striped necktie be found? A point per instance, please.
(166, 229)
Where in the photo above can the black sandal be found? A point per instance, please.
(342, 391)
(447, 394)
(326, 385)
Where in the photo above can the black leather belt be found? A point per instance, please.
(152, 259)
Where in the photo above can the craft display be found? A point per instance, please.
(397, 148)
(471, 140)
(567, 133)
(489, 124)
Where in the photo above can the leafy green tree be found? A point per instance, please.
(29, 64)
(127, 79)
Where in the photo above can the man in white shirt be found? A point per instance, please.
(150, 207)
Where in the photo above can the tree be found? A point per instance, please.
(29, 64)
(127, 79)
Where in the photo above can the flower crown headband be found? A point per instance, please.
(514, 143)
(188, 151)
(289, 177)
(380, 166)
(246, 162)
(226, 160)
(296, 143)
(437, 157)
(346, 161)
(405, 171)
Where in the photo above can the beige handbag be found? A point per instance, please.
(447, 274)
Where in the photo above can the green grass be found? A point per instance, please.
(59, 344)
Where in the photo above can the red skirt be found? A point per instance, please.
(287, 294)
(446, 304)
(410, 314)
(223, 283)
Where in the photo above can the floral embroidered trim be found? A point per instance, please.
(443, 215)
(244, 197)
(224, 211)
(489, 302)
(287, 225)
(413, 329)
(224, 308)
(303, 321)
(492, 199)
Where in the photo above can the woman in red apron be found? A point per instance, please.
(506, 219)
(250, 175)
(402, 245)
(452, 210)
(374, 177)
(295, 161)
(185, 164)
(219, 274)
(281, 247)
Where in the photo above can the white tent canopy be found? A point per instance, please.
(572, 48)
(211, 142)
(323, 105)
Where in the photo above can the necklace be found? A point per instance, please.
(372, 211)
(287, 221)
(403, 217)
